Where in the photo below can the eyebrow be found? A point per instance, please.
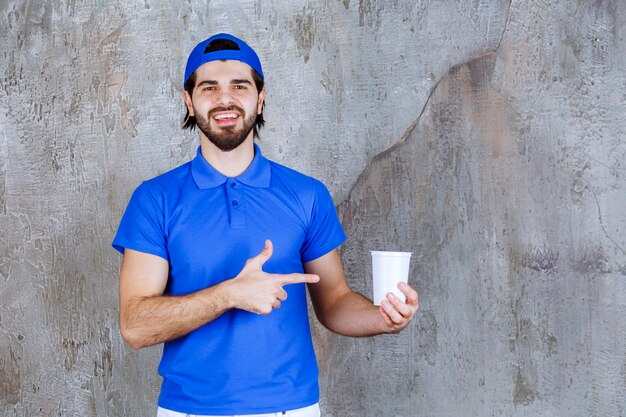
(242, 81)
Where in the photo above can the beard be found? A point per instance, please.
(226, 138)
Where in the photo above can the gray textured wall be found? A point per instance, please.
(488, 138)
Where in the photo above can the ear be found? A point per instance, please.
(260, 101)
(188, 103)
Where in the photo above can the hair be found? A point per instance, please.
(189, 122)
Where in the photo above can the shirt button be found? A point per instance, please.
(235, 202)
(233, 185)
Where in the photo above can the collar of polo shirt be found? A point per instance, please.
(258, 174)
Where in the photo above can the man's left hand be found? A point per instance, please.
(397, 314)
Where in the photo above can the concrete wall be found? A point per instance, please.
(488, 138)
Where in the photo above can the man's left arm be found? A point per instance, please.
(348, 313)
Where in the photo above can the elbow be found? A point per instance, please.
(325, 318)
(331, 327)
(131, 337)
(130, 330)
(135, 344)
(322, 320)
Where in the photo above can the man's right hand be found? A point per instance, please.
(257, 291)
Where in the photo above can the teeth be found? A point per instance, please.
(225, 116)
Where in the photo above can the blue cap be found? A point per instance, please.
(198, 57)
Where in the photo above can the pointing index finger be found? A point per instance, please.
(298, 278)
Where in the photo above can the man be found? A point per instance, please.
(217, 252)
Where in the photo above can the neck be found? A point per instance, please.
(232, 163)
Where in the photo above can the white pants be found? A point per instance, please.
(310, 411)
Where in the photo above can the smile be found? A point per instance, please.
(223, 116)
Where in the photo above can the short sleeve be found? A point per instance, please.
(324, 232)
(142, 227)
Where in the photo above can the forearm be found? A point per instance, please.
(348, 313)
(353, 315)
(146, 321)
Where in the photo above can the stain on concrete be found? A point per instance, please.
(369, 13)
(428, 346)
(593, 260)
(36, 12)
(10, 376)
(72, 351)
(103, 366)
(303, 30)
(535, 338)
(569, 56)
(523, 393)
(540, 259)
(111, 39)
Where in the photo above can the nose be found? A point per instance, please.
(225, 98)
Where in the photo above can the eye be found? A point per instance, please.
(240, 86)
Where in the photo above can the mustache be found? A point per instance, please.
(229, 108)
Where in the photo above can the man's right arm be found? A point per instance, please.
(148, 317)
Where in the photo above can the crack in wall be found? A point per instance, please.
(606, 233)
(403, 138)
(588, 186)
(506, 24)
(407, 132)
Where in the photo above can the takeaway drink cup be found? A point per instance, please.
(388, 269)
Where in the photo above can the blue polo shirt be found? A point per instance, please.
(206, 225)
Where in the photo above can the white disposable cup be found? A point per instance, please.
(389, 269)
